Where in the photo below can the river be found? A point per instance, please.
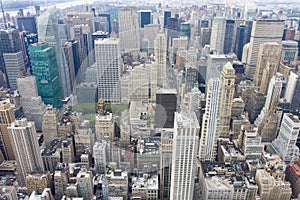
(58, 6)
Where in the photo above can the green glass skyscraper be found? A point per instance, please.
(44, 68)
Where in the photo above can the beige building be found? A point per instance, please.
(7, 117)
(226, 98)
(49, 125)
(271, 188)
(117, 184)
(38, 181)
(26, 148)
(267, 64)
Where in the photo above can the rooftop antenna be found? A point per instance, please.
(4, 19)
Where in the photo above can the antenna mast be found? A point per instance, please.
(4, 19)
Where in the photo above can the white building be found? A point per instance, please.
(185, 148)
(99, 154)
(108, 69)
(218, 34)
(273, 96)
(129, 29)
(210, 122)
(285, 144)
(26, 148)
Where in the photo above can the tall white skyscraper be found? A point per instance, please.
(108, 69)
(210, 122)
(185, 147)
(48, 32)
(263, 30)
(273, 96)
(218, 34)
(285, 144)
(26, 148)
(129, 29)
(160, 52)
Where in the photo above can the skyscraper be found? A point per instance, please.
(228, 39)
(167, 15)
(6, 117)
(14, 64)
(33, 106)
(160, 51)
(226, 100)
(26, 148)
(292, 92)
(27, 24)
(129, 29)
(210, 122)
(108, 69)
(218, 35)
(49, 125)
(48, 32)
(285, 145)
(289, 51)
(145, 17)
(267, 120)
(45, 70)
(9, 43)
(263, 30)
(267, 64)
(184, 155)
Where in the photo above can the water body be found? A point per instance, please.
(58, 6)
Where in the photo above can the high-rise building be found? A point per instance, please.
(27, 24)
(285, 145)
(185, 29)
(68, 51)
(108, 69)
(33, 106)
(292, 92)
(166, 147)
(289, 51)
(85, 184)
(49, 126)
(184, 155)
(9, 43)
(160, 66)
(215, 64)
(14, 64)
(267, 64)
(166, 102)
(48, 32)
(145, 17)
(7, 117)
(226, 99)
(26, 148)
(263, 30)
(229, 33)
(240, 40)
(103, 23)
(267, 120)
(45, 70)
(167, 15)
(129, 29)
(99, 154)
(218, 35)
(210, 122)
(38, 181)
